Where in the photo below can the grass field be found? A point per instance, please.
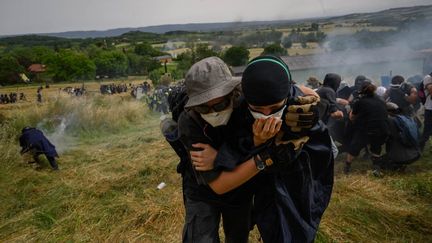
(254, 52)
(114, 157)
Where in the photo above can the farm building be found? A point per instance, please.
(37, 68)
(163, 59)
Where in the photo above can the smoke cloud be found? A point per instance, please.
(58, 136)
(405, 51)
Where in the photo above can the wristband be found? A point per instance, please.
(265, 157)
(260, 165)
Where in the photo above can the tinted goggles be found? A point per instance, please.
(205, 109)
(274, 110)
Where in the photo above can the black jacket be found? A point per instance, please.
(193, 129)
(290, 200)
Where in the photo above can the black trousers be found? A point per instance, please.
(202, 222)
(361, 138)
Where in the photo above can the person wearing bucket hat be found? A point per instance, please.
(313, 83)
(208, 85)
(203, 127)
(207, 80)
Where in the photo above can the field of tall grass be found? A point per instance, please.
(113, 157)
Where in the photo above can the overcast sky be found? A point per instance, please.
(44, 16)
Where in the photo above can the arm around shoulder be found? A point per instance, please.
(229, 180)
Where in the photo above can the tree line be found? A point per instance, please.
(75, 64)
(70, 64)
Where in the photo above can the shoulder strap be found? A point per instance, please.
(196, 118)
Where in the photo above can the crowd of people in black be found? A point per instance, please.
(368, 117)
(11, 98)
(113, 88)
(74, 91)
(158, 99)
(140, 90)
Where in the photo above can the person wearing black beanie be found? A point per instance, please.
(287, 207)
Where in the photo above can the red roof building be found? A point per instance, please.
(37, 68)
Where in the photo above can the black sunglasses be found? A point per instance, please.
(205, 109)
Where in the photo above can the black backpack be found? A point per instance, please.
(324, 109)
(177, 100)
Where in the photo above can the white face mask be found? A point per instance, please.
(216, 119)
(258, 115)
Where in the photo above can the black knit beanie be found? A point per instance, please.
(266, 81)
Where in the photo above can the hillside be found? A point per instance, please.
(390, 16)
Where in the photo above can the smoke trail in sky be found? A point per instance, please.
(322, 7)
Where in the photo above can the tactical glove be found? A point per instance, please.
(302, 113)
(296, 143)
(282, 155)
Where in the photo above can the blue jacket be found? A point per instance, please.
(32, 138)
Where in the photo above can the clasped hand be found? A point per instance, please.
(203, 160)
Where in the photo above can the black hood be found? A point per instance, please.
(359, 81)
(332, 80)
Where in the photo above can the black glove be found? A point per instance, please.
(277, 157)
(302, 113)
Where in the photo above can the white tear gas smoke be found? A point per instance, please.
(170, 45)
(58, 137)
(376, 55)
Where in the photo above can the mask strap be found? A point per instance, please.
(273, 61)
